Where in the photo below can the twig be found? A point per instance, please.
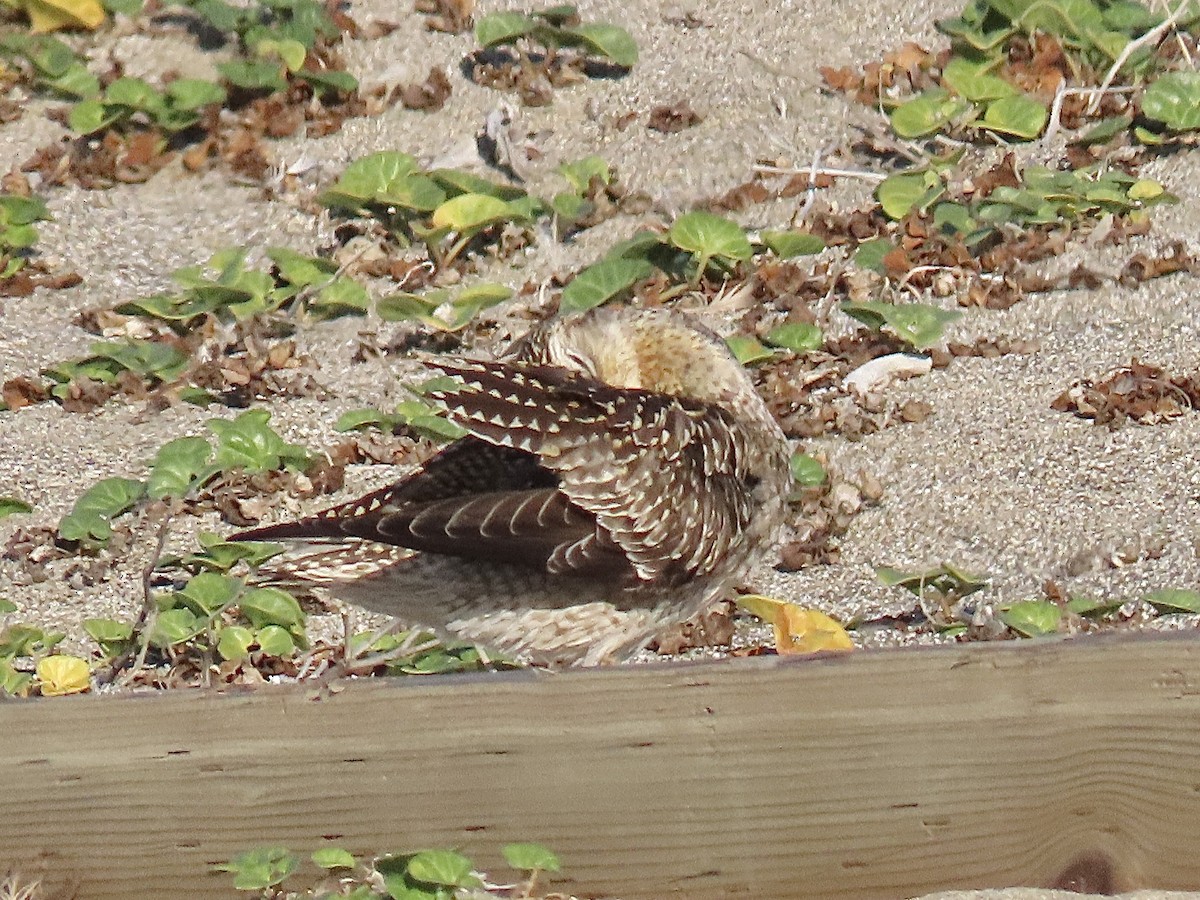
(141, 628)
(1063, 92)
(1150, 37)
(811, 192)
(813, 171)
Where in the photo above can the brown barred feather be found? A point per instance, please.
(619, 473)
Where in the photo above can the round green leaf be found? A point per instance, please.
(927, 113)
(974, 81)
(233, 642)
(90, 116)
(270, 606)
(1032, 618)
(471, 212)
(208, 592)
(807, 471)
(789, 244)
(1020, 116)
(799, 337)
(1174, 99)
(501, 28)
(610, 41)
(706, 235)
(1175, 600)
(599, 283)
(531, 857)
(747, 350)
(333, 858)
(275, 641)
(174, 626)
(194, 93)
(444, 867)
(11, 506)
(176, 465)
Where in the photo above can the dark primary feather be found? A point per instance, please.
(564, 473)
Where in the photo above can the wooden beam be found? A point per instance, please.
(880, 774)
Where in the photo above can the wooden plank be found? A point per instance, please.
(870, 775)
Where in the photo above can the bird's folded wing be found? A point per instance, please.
(666, 478)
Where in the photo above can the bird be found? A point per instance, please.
(619, 474)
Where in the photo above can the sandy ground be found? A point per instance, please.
(994, 480)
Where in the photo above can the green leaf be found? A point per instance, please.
(571, 207)
(610, 41)
(1020, 116)
(974, 81)
(260, 869)
(333, 858)
(1175, 600)
(1104, 130)
(177, 465)
(89, 519)
(90, 116)
(501, 28)
(1032, 618)
(234, 641)
(444, 867)
(790, 244)
(248, 442)
(919, 324)
(254, 76)
(1087, 606)
(601, 282)
(1174, 100)
(329, 80)
(531, 858)
(870, 254)
(581, 172)
(275, 641)
(134, 93)
(471, 212)
(16, 210)
(899, 194)
(807, 471)
(112, 635)
(271, 606)
(11, 506)
(747, 350)
(454, 182)
(927, 113)
(365, 178)
(194, 93)
(175, 626)
(207, 593)
(799, 337)
(705, 235)
(7, 606)
(220, 555)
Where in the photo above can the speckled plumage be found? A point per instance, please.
(619, 474)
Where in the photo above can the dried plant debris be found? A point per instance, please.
(712, 628)
(533, 54)
(448, 16)
(822, 510)
(1141, 393)
(673, 118)
(1018, 76)
(429, 95)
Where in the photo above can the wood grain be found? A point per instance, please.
(882, 774)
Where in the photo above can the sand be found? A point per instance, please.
(994, 480)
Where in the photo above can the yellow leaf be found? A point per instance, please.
(63, 675)
(797, 630)
(53, 15)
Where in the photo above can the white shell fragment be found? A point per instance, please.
(881, 371)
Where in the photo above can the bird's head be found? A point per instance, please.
(656, 350)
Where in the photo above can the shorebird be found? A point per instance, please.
(619, 474)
